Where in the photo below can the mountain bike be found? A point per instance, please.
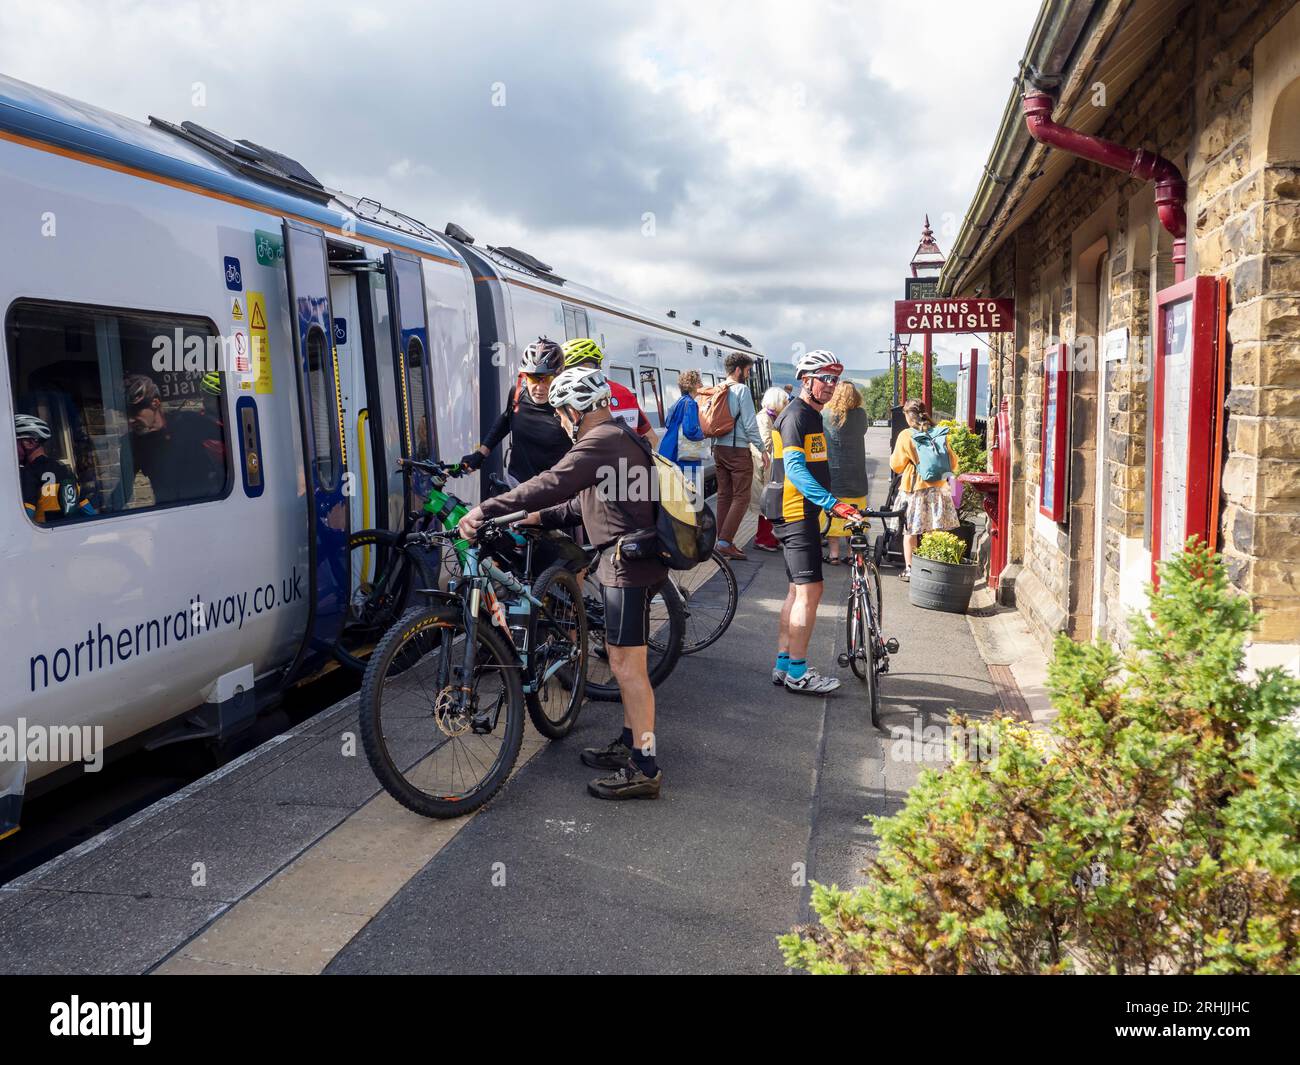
(443, 696)
(867, 652)
(387, 565)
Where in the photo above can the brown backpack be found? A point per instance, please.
(714, 402)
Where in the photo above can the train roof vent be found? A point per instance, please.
(529, 262)
(736, 337)
(252, 160)
(457, 233)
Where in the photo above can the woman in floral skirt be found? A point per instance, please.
(929, 503)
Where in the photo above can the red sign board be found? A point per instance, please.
(954, 316)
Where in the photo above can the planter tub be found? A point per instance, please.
(941, 585)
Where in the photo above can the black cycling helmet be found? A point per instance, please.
(544, 356)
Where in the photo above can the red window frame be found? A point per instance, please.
(1056, 382)
(1205, 405)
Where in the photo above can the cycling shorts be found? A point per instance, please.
(627, 615)
(801, 544)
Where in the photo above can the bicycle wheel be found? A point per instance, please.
(665, 624)
(873, 590)
(432, 753)
(384, 578)
(856, 633)
(871, 647)
(560, 650)
(709, 594)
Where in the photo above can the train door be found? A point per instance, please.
(307, 266)
(409, 329)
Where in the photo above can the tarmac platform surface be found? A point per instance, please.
(291, 859)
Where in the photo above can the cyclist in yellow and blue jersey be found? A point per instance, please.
(50, 489)
(796, 494)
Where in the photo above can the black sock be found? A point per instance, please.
(644, 762)
(626, 737)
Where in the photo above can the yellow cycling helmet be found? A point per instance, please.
(582, 350)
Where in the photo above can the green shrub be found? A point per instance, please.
(1156, 829)
(941, 547)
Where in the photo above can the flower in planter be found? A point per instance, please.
(941, 547)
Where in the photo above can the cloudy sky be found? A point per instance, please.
(763, 166)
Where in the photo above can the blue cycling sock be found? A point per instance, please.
(783, 662)
(798, 667)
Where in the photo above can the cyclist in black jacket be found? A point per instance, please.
(537, 439)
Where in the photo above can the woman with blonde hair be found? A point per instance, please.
(845, 420)
(775, 400)
(929, 503)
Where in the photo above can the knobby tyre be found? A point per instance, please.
(555, 707)
(426, 757)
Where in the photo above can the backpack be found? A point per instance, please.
(684, 530)
(932, 453)
(716, 418)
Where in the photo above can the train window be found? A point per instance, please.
(651, 390)
(672, 391)
(708, 379)
(575, 323)
(624, 376)
(416, 371)
(115, 410)
(320, 395)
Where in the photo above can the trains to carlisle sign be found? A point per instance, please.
(954, 316)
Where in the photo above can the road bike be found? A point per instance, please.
(867, 650)
(444, 693)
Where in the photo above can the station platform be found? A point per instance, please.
(292, 860)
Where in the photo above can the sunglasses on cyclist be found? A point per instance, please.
(536, 378)
(826, 378)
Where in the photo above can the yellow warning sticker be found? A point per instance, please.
(261, 344)
(237, 310)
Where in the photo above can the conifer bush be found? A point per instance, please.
(1154, 829)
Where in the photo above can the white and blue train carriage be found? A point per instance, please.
(203, 566)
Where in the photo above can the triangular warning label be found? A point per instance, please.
(258, 321)
(236, 310)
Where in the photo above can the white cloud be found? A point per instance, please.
(788, 151)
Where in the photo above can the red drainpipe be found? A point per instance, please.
(1171, 189)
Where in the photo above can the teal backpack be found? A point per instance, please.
(932, 453)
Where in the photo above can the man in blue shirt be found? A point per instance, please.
(731, 455)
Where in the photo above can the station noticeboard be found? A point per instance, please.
(1187, 427)
(1056, 408)
(954, 315)
(920, 288)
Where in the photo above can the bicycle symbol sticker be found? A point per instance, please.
(234, 276)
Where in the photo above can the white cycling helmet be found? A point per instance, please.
(583, 388)
(815, 361)
(30, 427)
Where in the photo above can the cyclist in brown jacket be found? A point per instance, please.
(589, 484)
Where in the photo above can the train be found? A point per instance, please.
(228, 360)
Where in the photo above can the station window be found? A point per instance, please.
(102, 428)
